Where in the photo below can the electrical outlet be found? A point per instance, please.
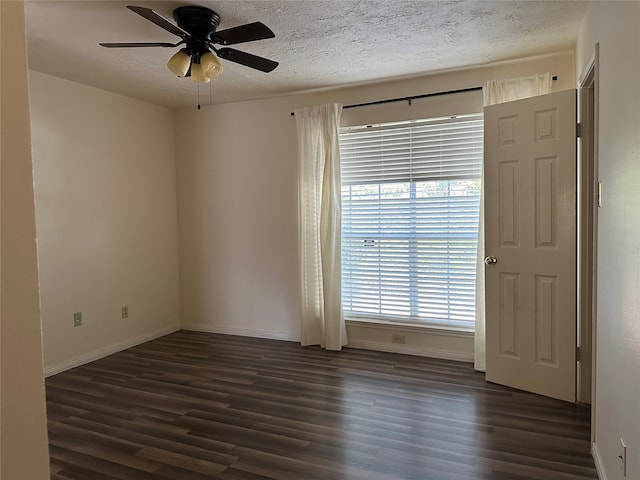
(623, 457)
(397, 339)
(77, 319)
(125, 311)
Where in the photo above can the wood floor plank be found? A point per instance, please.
(194, 405)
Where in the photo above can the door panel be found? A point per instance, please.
(510, 315)
(509, 213)
(530, 227)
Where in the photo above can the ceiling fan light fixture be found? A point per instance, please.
(198, 74)
(214, 72)
(211, 65)
(179, 63)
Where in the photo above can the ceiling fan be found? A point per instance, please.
(196, 27)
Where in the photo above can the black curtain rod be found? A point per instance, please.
(415, 97)
(408, 99)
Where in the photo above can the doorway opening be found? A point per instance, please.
(587, 202)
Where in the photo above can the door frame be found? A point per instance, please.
(588, 203)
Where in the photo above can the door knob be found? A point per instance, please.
(490, 260)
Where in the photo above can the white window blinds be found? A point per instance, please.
(410, 205)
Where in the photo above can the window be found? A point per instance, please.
(410, 206)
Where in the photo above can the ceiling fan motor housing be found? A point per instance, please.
(201, 23)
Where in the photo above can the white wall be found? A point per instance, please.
(237, 203)
(238, 217)
(105, 198)
(23, 429)
(617, 397)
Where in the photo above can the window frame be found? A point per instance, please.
(414, 319)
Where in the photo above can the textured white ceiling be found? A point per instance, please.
(319, 43)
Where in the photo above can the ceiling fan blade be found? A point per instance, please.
(243, 33)
(159, 20)
(143, 44)
(247, 59)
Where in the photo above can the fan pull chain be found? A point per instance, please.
(198, 85)
(210, 92)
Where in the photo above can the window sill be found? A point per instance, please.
(407, 326)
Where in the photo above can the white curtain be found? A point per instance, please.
(322, 321)
(499, 91)
(509, 89)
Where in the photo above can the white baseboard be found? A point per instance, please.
(595, 453)
(362, 344)
(410, 350)
(106, 351)
(243, 332)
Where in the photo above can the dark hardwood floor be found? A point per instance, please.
(204, 406)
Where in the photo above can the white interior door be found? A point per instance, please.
(530, 243)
